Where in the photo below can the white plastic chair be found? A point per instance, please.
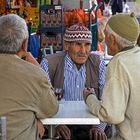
(2, 128)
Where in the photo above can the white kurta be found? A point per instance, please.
(121, 96)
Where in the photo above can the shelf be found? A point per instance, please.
(51, 27)
(56, 7)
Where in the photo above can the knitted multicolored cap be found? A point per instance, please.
(125, 25)
(78, 33)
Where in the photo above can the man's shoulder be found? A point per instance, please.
(55, 60)
(31, 68)
(95, 56)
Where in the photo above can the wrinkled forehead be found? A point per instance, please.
(79, 43)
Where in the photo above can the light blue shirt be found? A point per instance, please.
(74, 80)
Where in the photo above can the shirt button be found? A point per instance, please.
(77, 86)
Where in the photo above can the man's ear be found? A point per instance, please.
(113, 40)
(66, 46)
(24, 45)
(23, 49)
(114, 47)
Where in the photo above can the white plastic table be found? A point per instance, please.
(71, 113)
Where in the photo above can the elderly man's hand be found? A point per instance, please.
(41, 128)
(88, 91)
(97, 134)
(63, 132)
(29, 57)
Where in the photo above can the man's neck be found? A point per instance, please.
(78, 65)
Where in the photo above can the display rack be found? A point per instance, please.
(51, 28)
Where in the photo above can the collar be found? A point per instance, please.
(127, 48)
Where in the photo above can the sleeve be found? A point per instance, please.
(114, 102)
(101, 80)
(102, 69)
(101, 126)
(44, 66)
(47, 103)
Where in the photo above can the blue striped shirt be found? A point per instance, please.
(74, 80)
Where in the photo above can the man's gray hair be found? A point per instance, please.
(123, 43)
(13, 31)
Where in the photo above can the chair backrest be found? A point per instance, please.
(2, 128)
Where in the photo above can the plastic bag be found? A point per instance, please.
(126, 8)
(107, 10)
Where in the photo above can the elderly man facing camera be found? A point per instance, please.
(72, 70)
(26, 96)
(121, 94)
